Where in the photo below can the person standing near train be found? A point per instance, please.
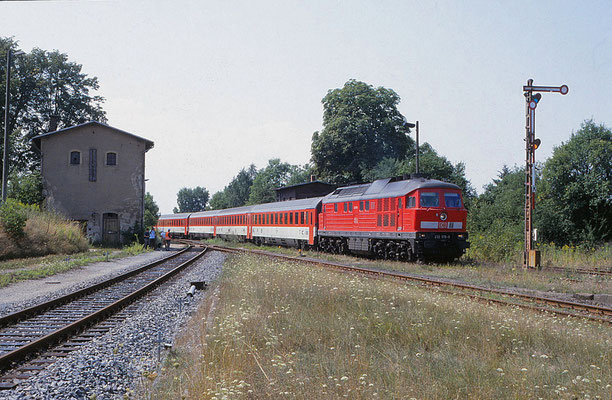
(152, 238)
(167, 241)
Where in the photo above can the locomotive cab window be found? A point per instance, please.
(452, 200)
(411, 202)
(430, 199)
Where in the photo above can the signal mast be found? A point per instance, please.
(531, 257)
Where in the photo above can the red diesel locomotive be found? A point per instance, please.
(412, 219)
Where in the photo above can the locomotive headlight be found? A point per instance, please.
(421, 235)
(443, 217)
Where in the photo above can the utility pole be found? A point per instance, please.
(9, 57)
(531, 257)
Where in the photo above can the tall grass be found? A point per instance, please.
(285, 330)
(44, 233)
(506, 249)
(492, 275)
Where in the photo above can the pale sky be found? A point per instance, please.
(218, 85)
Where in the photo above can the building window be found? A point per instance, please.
(111, 158)
(93, 165)
(75, 157)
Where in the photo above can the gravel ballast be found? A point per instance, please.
(111, 366)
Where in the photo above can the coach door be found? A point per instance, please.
(400, 213)
(249, 224)
(110, 223)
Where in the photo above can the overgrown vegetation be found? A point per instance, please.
(573, 208)
(283, 330)
(487, 274)
(27, 232)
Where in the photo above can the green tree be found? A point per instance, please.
(192, 200)
(26, 188)
(44, 83)
(151, 213)
(495, 220)
(237, 192)
(431, 164)
(218, 201)
(361, 126)
(575, 204)
(276, 174)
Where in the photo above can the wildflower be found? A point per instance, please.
(344, 378)
(500, 370)
(524, 369)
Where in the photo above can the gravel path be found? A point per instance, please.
(25, 293)
(110, 366)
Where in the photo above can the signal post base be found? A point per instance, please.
(532, 259)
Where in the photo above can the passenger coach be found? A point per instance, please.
(177, 223)
(286, 223)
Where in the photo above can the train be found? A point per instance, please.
(415, 219)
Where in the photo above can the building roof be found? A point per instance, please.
(36, 140)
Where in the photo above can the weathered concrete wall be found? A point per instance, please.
(118, 188)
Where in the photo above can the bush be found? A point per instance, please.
(42, 233)
(13, 216)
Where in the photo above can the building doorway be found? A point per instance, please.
(110, 224)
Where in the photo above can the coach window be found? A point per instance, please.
(335, 207)
(399, 203)
(75, 157)
(361, 206)
(307, 217)
(367, 206)
(286, 219)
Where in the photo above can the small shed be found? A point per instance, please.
(94, 173)
(304, 191)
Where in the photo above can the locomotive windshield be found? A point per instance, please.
(452, 200)
(430, 199)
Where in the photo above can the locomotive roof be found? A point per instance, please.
(385, 188)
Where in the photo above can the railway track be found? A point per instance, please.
(69, 320)
(479, 293)
(580, 270)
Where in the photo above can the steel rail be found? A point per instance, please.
(579, 270)
(23, 352)
(592, 309)
(42, 307)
